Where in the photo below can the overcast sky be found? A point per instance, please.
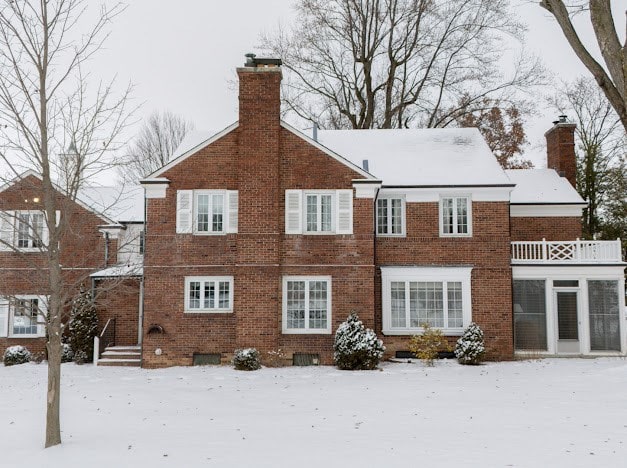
(182, 55)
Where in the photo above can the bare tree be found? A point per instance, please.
(600, 150)
(397, 63)
(157, 140)
(613, 78)
(44, 106)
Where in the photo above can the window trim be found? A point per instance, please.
(206, 279)
(42, 306)
(15, 221)
(454, 197)
(318, 193)
(210, 193)
(389, 197)
(430, 274)
(307, 330)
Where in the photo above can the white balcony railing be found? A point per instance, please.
(579, 251)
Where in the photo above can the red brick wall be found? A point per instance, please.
(551, 229)
(119, 299)
(487, 251)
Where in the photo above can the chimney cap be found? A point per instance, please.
(562, 118)
(253, 61)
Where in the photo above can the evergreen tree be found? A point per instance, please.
(83, 326)
(470, 347)
(356, 347)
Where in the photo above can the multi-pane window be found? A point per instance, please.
(307, 305)
(455, 216)
(319, 212)
(416, 302)
(390, 216)
(25, 316)
(22, 230)
(209, 212)
(209, 294)
(22, 316)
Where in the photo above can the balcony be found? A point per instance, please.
(567, 252)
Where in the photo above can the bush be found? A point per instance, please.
(247, 359)
(470, 348)
(275, 358)
(67, 355)
(427, 345)
(83, 327)
(16, 355)
(356, 347)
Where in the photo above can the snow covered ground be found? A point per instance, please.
(549, 413)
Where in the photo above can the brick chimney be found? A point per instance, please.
(560, 149)
(260, 93)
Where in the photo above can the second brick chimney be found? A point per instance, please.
(560, 149)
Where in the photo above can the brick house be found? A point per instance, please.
(262, 236)
(91, 242)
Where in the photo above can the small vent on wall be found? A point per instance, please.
(212, 359)
(303, 359)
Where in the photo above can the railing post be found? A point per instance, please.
(578, 250)
(96, 350)
(545, 255)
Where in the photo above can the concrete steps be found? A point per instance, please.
(128, 356)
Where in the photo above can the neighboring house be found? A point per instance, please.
(261, 236)
(90, 241)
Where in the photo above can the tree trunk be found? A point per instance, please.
(53, 421)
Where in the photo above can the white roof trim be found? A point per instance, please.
(192, 151)
(329, 152)
(77, 200)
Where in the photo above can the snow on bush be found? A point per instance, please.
(356, 347)
(67, 355)
(16, 355)
(247, 359)
(470, 347)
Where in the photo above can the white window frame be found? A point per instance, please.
(14, 218)
(10, 315)
(203, 280)
(455, 225)
(318, 193)
(387, 198)
(210, 194)
(430, 274)
(307, 330)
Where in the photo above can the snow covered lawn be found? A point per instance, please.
(549, 413)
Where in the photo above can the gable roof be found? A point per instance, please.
(197, 140)
(108, 203)
(542, 186)
(420, 157)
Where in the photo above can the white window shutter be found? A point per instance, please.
(6, 230)
(4, 317)
(232, 205)
(344, 212)
(293, 211)
(43, 314)
(184, 203)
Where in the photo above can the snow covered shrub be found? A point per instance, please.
(275, 358)
(427, 345)
(83, 327)
(470, 347)
(67, 355)
(246, 359)
(16, 355)
(356, 347)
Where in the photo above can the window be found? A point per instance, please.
(307, 304)
(205, 212)
(22, 316)
(319, 211)
(209, 294)
(455, 216)
(437, 296)
(530, 315)
(23, 230)
(390, 216)
(604, 300)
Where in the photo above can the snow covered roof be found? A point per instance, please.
(420, 157)
(119, 270)
(542, 186)
(122, 204)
